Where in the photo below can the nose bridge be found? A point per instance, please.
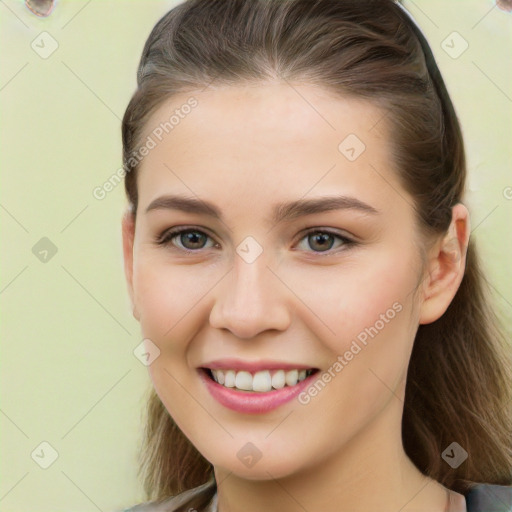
(252, 299)
(250, 280)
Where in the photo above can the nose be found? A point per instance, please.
(251, 299)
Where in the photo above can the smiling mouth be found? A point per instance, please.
(258, 382)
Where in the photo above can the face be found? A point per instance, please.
(257, 291)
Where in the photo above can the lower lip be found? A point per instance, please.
(253, 402)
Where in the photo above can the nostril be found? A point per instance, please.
(40, 7)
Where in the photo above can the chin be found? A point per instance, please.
(263, 470)
(245, 460)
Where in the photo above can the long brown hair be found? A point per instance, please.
(459, 378)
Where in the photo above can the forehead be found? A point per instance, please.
(272, 136)
(259, 108)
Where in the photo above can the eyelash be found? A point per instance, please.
(164, 239)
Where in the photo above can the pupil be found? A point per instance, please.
(191, 235)
(323, 236)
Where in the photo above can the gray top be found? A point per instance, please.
(489, 498)
(481, 498)
(171, 504)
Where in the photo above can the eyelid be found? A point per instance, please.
(330, 231)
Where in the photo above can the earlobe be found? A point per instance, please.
(446, 267)
(128, 235)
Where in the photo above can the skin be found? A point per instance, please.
(246, 148)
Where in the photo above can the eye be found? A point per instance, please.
(191, 239)
(322, 240)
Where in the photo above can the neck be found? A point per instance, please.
(369, 472)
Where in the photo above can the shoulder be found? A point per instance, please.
(480, 498)
(489, 498)
(172, 504)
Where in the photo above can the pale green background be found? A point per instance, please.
(69, 376)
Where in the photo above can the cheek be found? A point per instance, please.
(168, 296)
(362, 298)
(169, 301)
(369, 308)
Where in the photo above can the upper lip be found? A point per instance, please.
(253, 366)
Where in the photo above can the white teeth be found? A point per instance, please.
(243, 381)
(262, 381)
(291, 377)
(278, 379)
(229, 378)
(220, 377)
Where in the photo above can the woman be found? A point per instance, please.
(364, 374)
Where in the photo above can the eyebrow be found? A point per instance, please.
(281, 212)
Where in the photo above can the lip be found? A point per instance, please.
(252, 366)
(253, 402)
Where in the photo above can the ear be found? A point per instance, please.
(446, 267)
(128, 232)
